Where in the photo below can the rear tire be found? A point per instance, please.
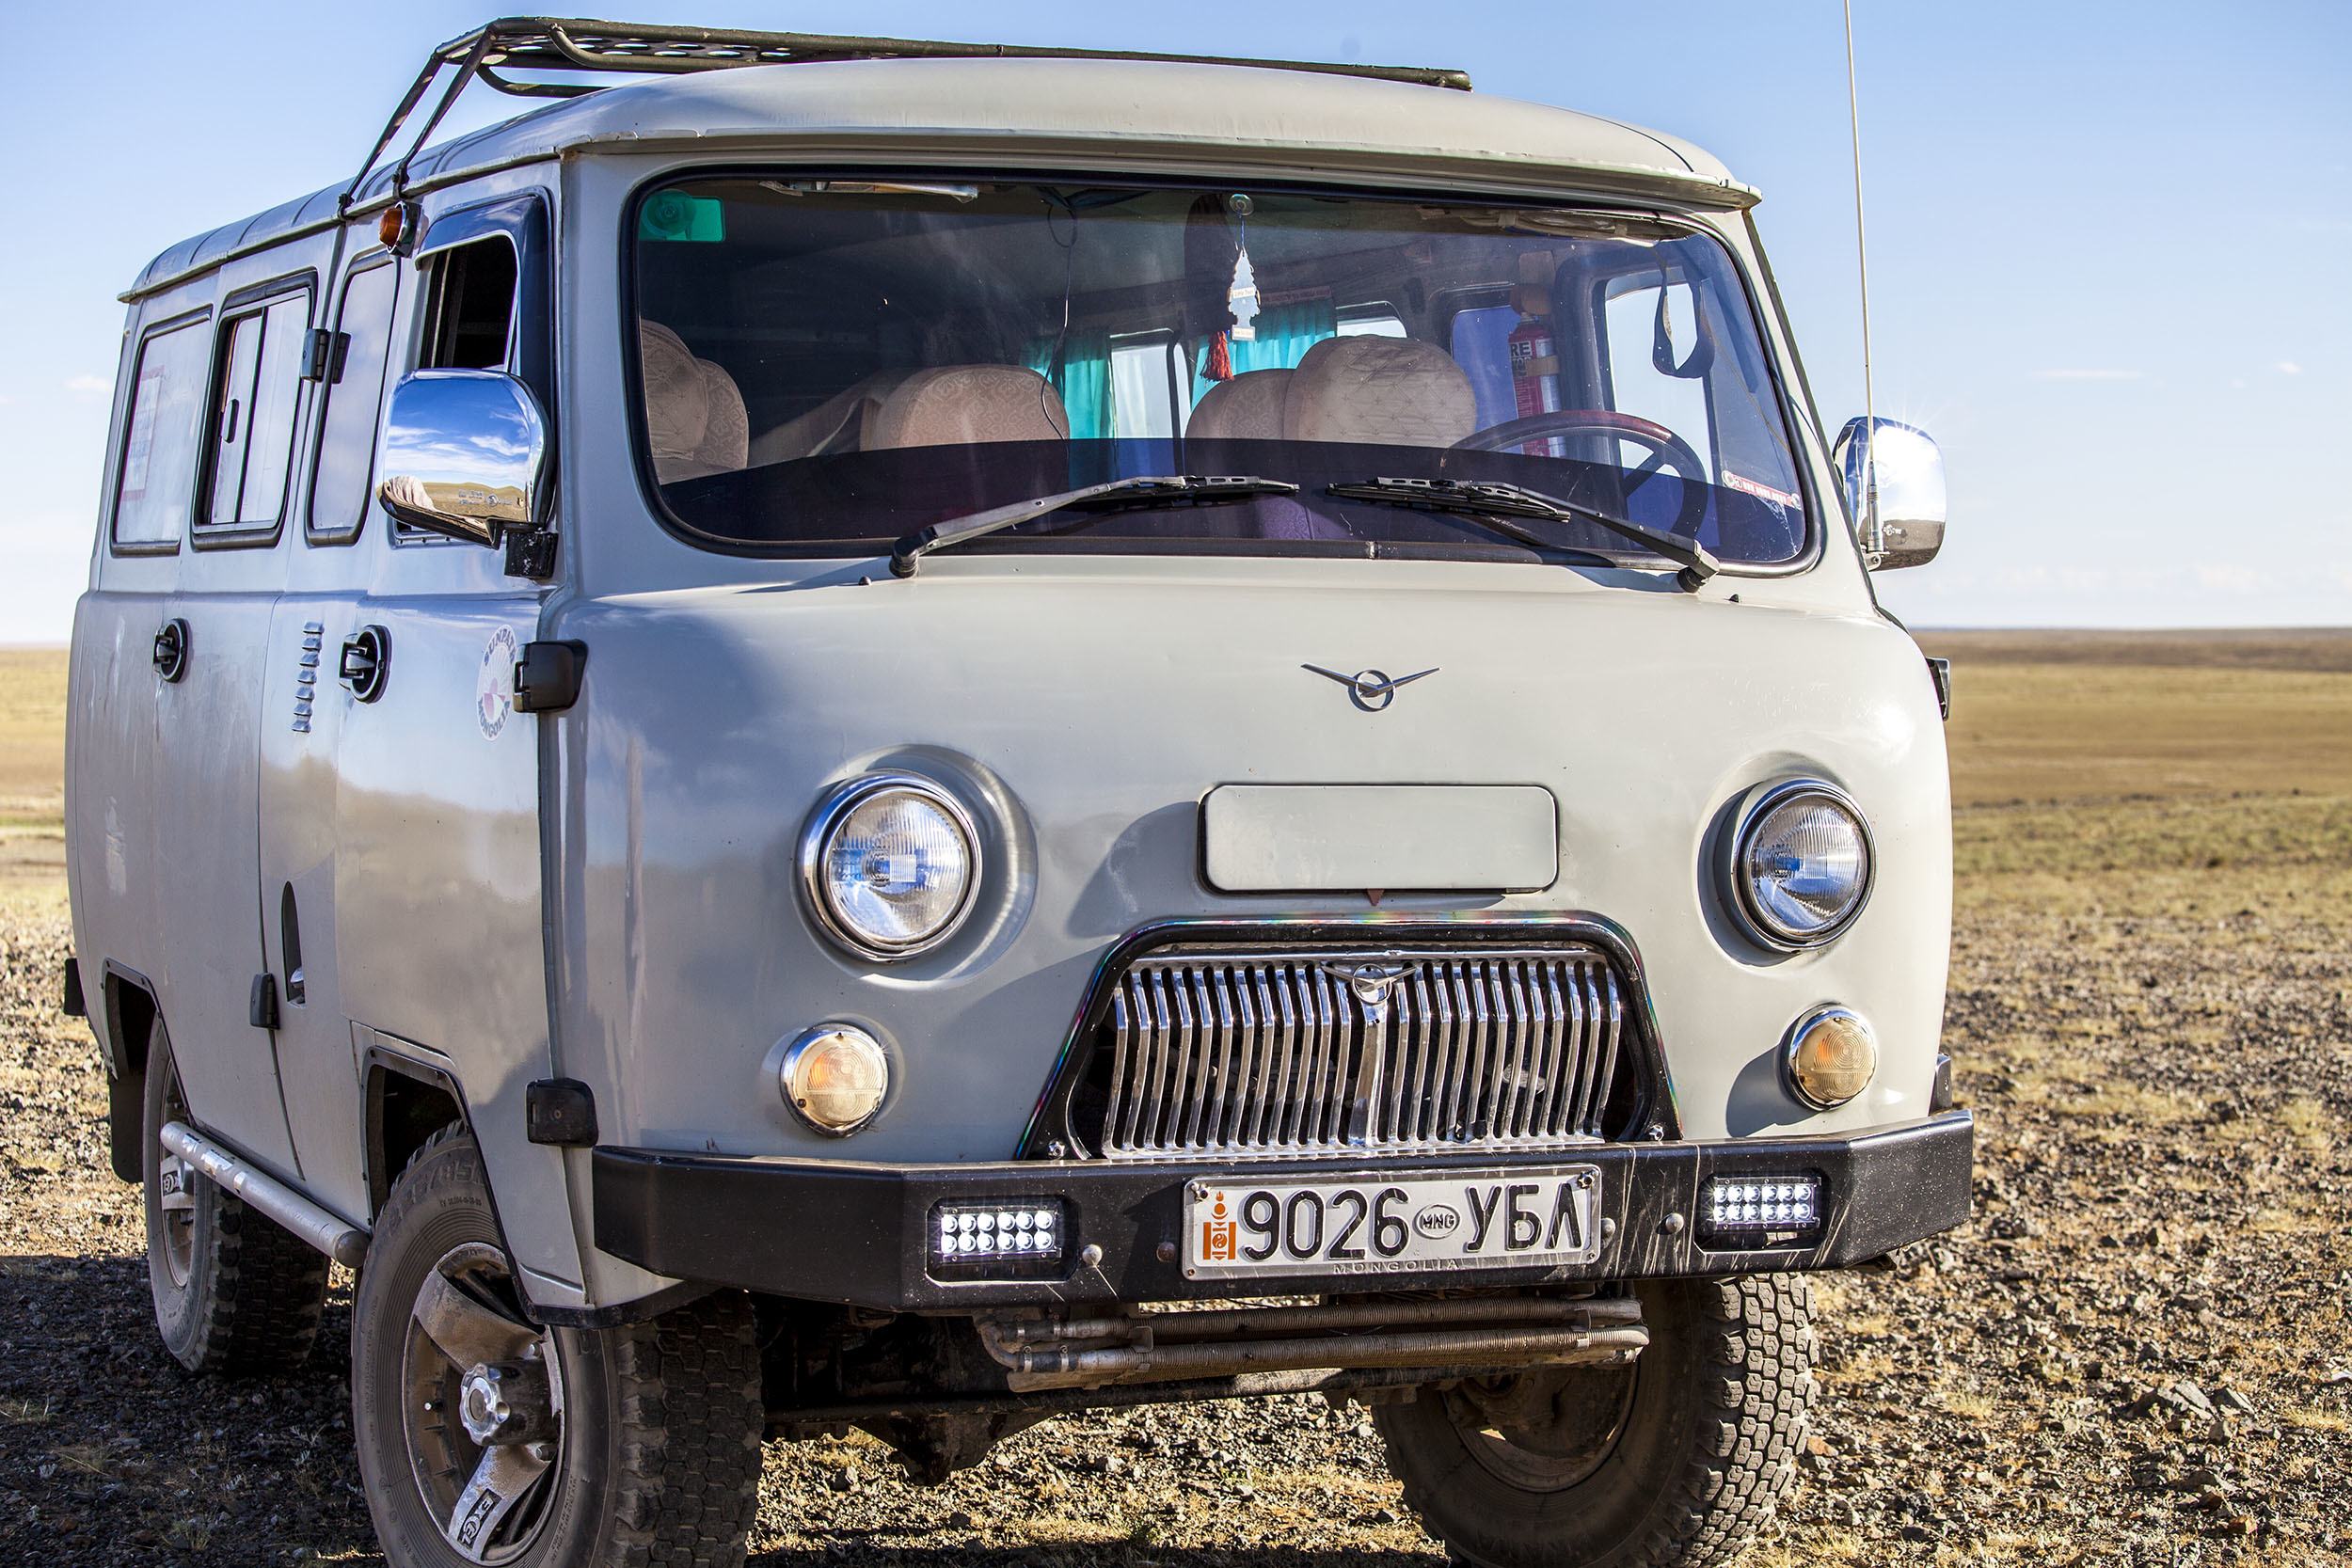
(234, 1292)
(1678, 1460)
(635, 1446)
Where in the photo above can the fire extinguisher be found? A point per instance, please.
(1534, 357)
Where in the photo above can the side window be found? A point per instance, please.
(252, 426)
(1653, 329)
(1377, 320)
(1148, 386)
(473, 307)
(354, 399)
(159, 442)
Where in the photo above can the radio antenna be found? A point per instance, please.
(1871, 544)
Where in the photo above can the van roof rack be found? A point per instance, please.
(509, 52)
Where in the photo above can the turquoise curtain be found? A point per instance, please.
(1083, 381)
(1285, 333)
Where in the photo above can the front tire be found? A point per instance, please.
(234, 1292)
(1678, 1458)
(484, 1439)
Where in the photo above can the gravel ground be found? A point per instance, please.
(2137, 1353)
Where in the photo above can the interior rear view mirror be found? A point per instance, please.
(1893, 479)
(463, 454)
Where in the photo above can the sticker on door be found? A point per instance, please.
(494, 683)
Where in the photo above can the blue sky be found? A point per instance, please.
(2108, 244)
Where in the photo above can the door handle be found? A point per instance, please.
(171, 649)
(366, 663)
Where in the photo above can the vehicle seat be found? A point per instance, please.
(843, 422)
(1248, 407)
(1394, 391)
(954, 406)
(694, 411)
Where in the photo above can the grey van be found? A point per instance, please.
(910, 736)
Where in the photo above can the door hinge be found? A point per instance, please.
(559, 1111)
(261, 1008)
(322, 354)
(546, 677)
(530, 553)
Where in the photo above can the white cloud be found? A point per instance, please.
(2229, 579)
(2287, 367)
(2073, 374)
(88, 384)
(2237, 384)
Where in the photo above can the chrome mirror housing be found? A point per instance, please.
(464, 453)
(1894, 478)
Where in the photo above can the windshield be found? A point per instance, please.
(825, 366)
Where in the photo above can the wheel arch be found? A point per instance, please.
(408, 1104)
(128, 1009)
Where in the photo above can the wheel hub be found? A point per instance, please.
(501, 1404)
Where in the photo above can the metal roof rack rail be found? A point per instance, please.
(495, 52)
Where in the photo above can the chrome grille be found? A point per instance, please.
(1241, 1053)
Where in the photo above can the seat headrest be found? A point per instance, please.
(843, 422)
(1248, 407)
(694, 414)
(1395, 391)
(954, 406)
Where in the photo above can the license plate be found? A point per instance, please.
(1363, 1225)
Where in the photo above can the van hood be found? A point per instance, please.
(1084, 719)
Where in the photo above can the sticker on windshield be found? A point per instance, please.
(494, 683)
(1761, 492)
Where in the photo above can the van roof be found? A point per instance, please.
(1140, 117)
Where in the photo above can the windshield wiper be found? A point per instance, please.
(1496, 505)
(1146, 490)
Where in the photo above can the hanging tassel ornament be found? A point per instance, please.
(1221, 359)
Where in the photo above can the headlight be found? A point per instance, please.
(890, 862)
(1800, 866)
(835, 1077)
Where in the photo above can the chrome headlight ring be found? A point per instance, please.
(1759, 923)
(816, 842)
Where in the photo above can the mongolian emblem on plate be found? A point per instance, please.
(1218, 1233)
(494, 683)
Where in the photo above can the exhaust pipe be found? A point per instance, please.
(339, 1240)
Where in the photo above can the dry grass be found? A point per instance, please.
(2077, 716)
(32, 737)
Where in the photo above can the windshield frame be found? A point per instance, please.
(1762, 302)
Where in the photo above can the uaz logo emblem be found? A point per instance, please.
(1370, 690)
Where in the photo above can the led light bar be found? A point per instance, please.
(997, 1230)
(1754, 1208)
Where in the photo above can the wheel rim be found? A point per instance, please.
(175, 1195)
(1544, 1431)
(482, 1406)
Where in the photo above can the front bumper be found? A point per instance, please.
(857, 1233)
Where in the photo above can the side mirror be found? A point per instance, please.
(464, 453)
(1894, 489)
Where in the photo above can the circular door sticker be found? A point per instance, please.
(494, 683)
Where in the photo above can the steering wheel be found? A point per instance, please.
(1667, 450)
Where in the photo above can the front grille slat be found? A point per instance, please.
(1267, 1052)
